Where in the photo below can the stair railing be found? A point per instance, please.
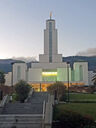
(4, 100)
(43, 116)
(30, 94)
(44, 107)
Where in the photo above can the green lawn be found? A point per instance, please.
(82, 97)
(86, 109)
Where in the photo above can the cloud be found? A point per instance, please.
(88, 52)
(25, 59)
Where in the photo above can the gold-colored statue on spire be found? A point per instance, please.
(50, 15)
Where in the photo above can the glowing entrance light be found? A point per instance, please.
(49, 73)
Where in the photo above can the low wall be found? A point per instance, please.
(49, 112)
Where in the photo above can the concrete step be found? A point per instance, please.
(38, 97)
(28, 125)
(23, 108)
(21, 121)
(20, 118)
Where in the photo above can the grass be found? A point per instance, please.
(85, 109)
(82, 97)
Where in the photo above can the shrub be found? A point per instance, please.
(15, 97)
(58, 90)
(22, 88)
(70, 119)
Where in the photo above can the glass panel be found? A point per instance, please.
(49, 75)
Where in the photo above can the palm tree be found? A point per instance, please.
(2, 78)
(94, 79)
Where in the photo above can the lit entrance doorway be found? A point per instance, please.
(40, 86)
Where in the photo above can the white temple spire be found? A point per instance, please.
(50, 15)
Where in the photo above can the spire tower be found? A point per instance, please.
(50, 43)
(50, 15)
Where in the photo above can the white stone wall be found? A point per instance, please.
(49, 65)
(34, 75)
(57, 58)
(46, 42)
(8, 78)
(43, 58)
(23, 69)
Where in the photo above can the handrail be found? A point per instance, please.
(44, 105)
(30, 93)
(4, 101)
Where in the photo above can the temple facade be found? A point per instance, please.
(50, 67)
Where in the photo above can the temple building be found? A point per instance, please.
(50, 67)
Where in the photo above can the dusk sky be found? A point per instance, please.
(22, 24)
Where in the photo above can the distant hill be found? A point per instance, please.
(91, 60)
(5, 64)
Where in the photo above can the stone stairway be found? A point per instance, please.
(24, 115)
(38, 97)
(33, 106)
(23, 108)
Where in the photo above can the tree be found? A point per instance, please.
(58, 90)
(2, 78)
(22, 89)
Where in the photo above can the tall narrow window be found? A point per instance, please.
(50, 42)
(18, 73)
(81, 72)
